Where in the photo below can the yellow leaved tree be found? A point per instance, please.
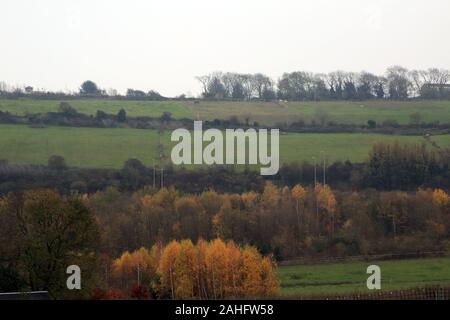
(206, 270)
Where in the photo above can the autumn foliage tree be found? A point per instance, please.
(47, 233)
(206, 270)
(286, 222)
(299, 195)
(136, 269)
(326, 203)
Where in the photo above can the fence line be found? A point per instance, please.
(394, 256)
(425, 293)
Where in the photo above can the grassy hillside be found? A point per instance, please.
(90, 107)
(95, 147)
(266, 113)
(351, 276)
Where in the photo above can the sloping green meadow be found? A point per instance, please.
(351, 277)
(110, 148)
(266, 113)
(90, 107)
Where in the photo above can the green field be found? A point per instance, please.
(90, 107)
(351, 277)
(266, 113)
(110, 148)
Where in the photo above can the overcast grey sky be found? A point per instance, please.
(163, 45)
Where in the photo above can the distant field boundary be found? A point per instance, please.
(63, 96)
(424, 293)
(399, 256)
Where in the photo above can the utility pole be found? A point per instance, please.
(315, 171)
(324, 170)
(394, 227)
(315, 195)
(138, 276)
(106, 273)
(154, 174)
